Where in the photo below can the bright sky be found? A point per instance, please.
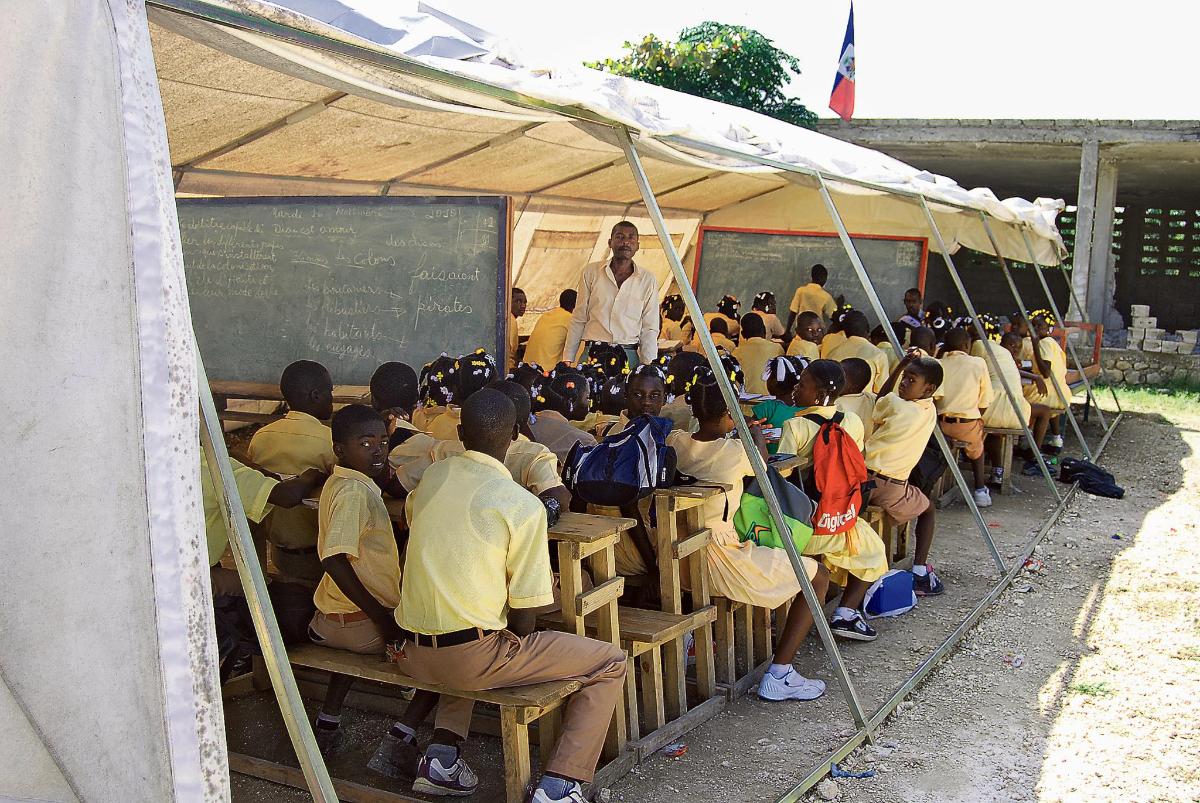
(915, 58)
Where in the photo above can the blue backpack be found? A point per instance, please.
(623, 467)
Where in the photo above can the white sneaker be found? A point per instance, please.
(983, 497)
(574, 795)
(792, 686)
(1056, 441)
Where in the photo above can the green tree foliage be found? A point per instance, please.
(729, 63)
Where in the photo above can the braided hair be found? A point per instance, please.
(672, 307)
(763, 301)
(436, 383)
(705, 396)
(839, 317)
(829, 378)
(568, 394)
(991, 326)
(610, 398)
(783, 372)
(729, 306)
(610, 359)
(473, 372)
(1041, 317)
(681, 372)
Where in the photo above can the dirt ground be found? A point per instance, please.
(1081, 687)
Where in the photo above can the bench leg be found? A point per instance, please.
(651, 671)
(743, 631)
(726, 652)
(1006, 463)
(515, 738)
(604, 568)
(675, 668)
(549, 726)
(762, 634)
(706, 677)
(631, 698)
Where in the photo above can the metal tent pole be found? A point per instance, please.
(255, 585)
(1066, 397)
(877, 305)
(962, 291)
(815, 604)
(1057, 314)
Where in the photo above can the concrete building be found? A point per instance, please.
(1148, 252)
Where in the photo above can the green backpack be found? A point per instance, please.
(753, 521)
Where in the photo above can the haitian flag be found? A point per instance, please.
(841, 101)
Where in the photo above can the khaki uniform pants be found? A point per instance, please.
(969, 432)
(501, 660)
(361, 636)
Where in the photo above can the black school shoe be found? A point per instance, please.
(929, 585)
(396, 758)
(856, 629)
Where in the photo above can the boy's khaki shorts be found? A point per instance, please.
(903, 502)
(969, 432)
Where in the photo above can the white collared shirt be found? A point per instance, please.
(606, 313)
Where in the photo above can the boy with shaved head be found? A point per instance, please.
(477, 567)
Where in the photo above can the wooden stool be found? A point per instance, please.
(1008, 442)
(894, 534)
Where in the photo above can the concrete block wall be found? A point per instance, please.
(1134, 367)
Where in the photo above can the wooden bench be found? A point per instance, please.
(519, 706)
(224, 391)
(894, 534)
(945, 491)
(1008, 443)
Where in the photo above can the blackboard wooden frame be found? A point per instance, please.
(922, 241)
(502, 204)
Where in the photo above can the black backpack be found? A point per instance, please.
(1091, 478)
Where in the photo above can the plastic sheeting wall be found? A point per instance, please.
(109, 681)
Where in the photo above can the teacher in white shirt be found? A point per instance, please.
(617, 304)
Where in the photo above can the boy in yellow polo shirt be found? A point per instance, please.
(754, 352)
(903, 421)
(290, 446)
(813, 297)
(856, 396)
(857, 344)
(477, 566)
(966, 393)
(807, 342)
(357, 597)
(549, 335)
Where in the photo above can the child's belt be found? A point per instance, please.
(447, 639)
(893, 480)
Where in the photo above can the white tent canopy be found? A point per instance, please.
(278, 102)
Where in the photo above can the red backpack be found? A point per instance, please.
(838, 476)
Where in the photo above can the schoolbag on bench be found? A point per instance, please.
(837, 479)
(623, 467)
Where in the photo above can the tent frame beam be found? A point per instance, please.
(815, 604)
(994, 363)
(499, 139)
(241, 543)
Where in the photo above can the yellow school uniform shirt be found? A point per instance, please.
(775, 327)
(719, 340)
(410, 458)
(861, 405)
(552, 429)
(254, 489)
(477, 546)
(445, 426)
(422, 417)
(966, 386)
(355, 522)
(671, 330)
(545, 344)
(889, 351)
(1054, 356)
(753, 354)
(741, 571)
(1027, 349)
(830, 341)
(1000, 414)
(290, 446)
(799, 432)
(735, 328)
(532, 465)
(680, 413)
(812, 297)
(865, 350)
(799, 347)
(902, 429)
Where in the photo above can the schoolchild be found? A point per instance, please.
(807, 342)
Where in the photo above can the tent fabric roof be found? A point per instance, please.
(273, 101)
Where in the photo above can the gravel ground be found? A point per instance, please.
(1082, 687)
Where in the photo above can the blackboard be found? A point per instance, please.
(348, 282)
(745, 262)
(985, 283)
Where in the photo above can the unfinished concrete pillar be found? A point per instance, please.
(1085, 216)
(1100, 263)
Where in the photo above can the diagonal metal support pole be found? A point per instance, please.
(1057, 314)
(212, 441)
(815, 604)
(1064, 393)
(877, 305)
(983, 337)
